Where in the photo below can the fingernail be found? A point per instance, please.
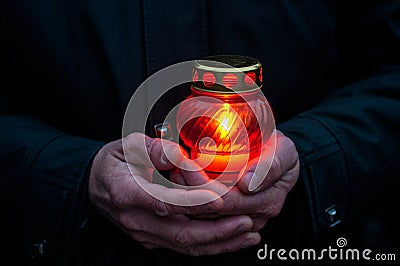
(255, 182)
(242, 228)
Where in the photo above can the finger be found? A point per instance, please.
(149, 240)
(177, 177)
(181, 231)
(289, 179)
(165, 201)
(207, 216)
(170, 201)
(269, 168)
(256, 176)
(267, 203)
(189, 173)
(197, 232)
(163, 155)
(154, 153)
(257, 169)
(128, 193)
(137, 170)
(241, 241)
(187, 178)
(193, 174)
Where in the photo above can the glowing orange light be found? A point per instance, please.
(223, 135)
(226, 119)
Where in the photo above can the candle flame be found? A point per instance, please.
(226, 119)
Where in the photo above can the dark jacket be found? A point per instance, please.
(331, 75)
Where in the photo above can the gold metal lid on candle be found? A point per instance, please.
(227, 74)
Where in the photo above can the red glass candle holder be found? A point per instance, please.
(226, 119)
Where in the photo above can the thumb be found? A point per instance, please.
(157, 153)
(162, 154)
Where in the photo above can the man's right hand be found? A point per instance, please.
(156, 224)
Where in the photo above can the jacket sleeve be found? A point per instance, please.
(349, 144)
(44, 176)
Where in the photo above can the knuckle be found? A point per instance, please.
(125, 221)
(273, 203)
(159, 207)
(192, 209)
(184, 239)
(134, 135)
(230, 205)
(226, 248)
(196, 210)
(277, 164)
(150, 142)
(218, 236)
(271, 210)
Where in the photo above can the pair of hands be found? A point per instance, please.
(226, 224)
